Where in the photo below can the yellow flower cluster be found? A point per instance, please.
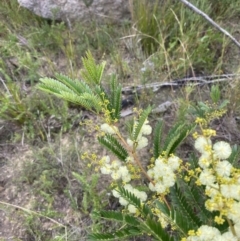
(139, 194)
(163, 174)
(222, 187)
(115, 169)
(207, 233)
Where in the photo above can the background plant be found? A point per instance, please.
(167, 31)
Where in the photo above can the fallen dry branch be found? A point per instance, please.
(194, 81)
(201, 80)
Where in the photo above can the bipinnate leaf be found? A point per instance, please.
(53, 86)
(92, 72)
(86, 100)
(113, 145)
(163, 208)
(78, 87)
(156, 230)
(176, 136)
(182, 211)
(70, 90)
(130, 125)
(115, 98)
(157, 139)
(118, 217)
(196, 199)
(110, 215)
(142, 118)
(132, 199)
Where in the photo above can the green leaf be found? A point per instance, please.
(113, 145)
(131, 220)
(223, 104)
(110, 215)
(203, 106)
(193, 161)
(155, 228)
(77, 93)
(89, 102)
(130, 125)
(115, 98)
(176, 136)
(163, 208)
(183, 215)
(78, 87)
(215, 93)
(53, 86)
(132, 199)
(92, 72)
(118, 216)
(157, 139)
(195, 198)
(143, 117)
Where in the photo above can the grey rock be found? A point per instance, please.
(67, 10)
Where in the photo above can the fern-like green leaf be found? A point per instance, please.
(53, 86)
(195, 199)
(157, 139)
(143, 117)
(92, 73)
(132, 199)
(110, 215)
(131, 220)
(87, 101)
(163, 208)
(156, 230)
(179, 222)
(176, 136)
(101, 93)
(130, 125)
(112, 144)
(78, 87)
(193, 161)
(115, 98)
(117, 235)
(94, 100)
(119, 217)
(69, 90)
(184, 215)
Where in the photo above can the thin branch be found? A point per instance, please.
(195, 9)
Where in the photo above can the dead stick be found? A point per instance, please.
(195, 9)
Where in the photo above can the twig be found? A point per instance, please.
(195, 9)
